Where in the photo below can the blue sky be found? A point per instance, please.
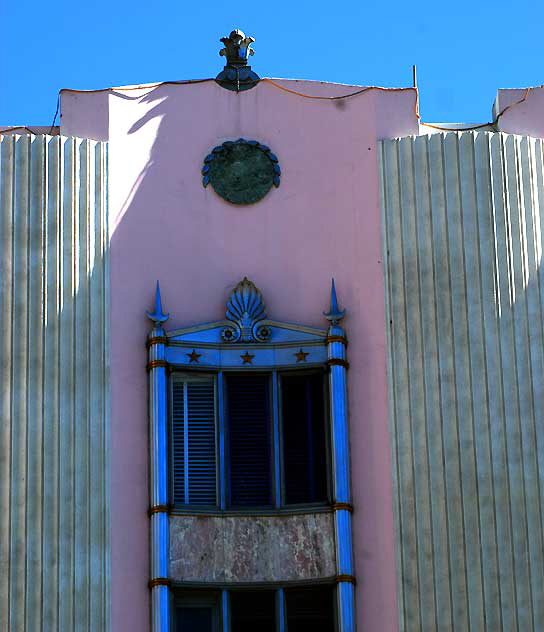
(464, 51)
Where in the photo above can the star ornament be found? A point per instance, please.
(247, 358)
(193, 357)
(301, 356)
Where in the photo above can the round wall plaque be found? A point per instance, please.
(241, 171)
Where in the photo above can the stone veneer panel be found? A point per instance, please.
(252, 548)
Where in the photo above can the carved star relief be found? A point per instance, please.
(193, 357)
(247, 358)
(301, 356)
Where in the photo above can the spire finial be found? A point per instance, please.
(158, 316)
(335, 314)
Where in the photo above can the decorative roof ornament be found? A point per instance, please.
(335, 314)
(237, 47)
(246, 311)
(158, 316)
(237, 75)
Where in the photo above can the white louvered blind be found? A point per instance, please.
(193, 441)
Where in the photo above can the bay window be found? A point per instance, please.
(249, 415)
(260, 437)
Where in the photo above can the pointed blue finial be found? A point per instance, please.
(334, 314)
(158, 316)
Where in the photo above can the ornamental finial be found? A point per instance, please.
(237, 48)
(334, 314)
(237, 75)
(158, 316)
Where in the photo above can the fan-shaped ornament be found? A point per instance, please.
(246, 311)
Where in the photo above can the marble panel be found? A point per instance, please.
(252, 548)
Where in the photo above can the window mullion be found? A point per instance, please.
(277, 440)
(225, 614)
(221, 422)
(281, 625)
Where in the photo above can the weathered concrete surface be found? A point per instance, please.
(252, 548)
(54, 374)
(464, 229)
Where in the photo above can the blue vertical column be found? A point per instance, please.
(338, 366)
(158, 432)
(225, 611)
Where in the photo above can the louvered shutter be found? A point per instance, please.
(248, 411)
(178, 442)
(193, 441)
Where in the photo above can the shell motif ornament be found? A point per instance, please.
(246, 311)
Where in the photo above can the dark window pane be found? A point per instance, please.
(253, 611)
(249, 440)
(197, 619)
(310, 609)
(304, 442)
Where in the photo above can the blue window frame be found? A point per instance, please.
(253, 439)
(292, 609)
(245, 342)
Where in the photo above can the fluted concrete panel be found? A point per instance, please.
(54, 565)
(463, 227)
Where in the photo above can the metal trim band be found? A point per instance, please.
(156, 364)
(158, 509)
(347, 506)
(156, 340)
(338, 362)
(159, 581)
(346, 578)
(341, 339)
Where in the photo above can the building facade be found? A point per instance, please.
(246, 443)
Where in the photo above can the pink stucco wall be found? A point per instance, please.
(323, 221)
(523, 109)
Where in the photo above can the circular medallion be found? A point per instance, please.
(241, 171)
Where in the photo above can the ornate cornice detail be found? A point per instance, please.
(246, 311)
